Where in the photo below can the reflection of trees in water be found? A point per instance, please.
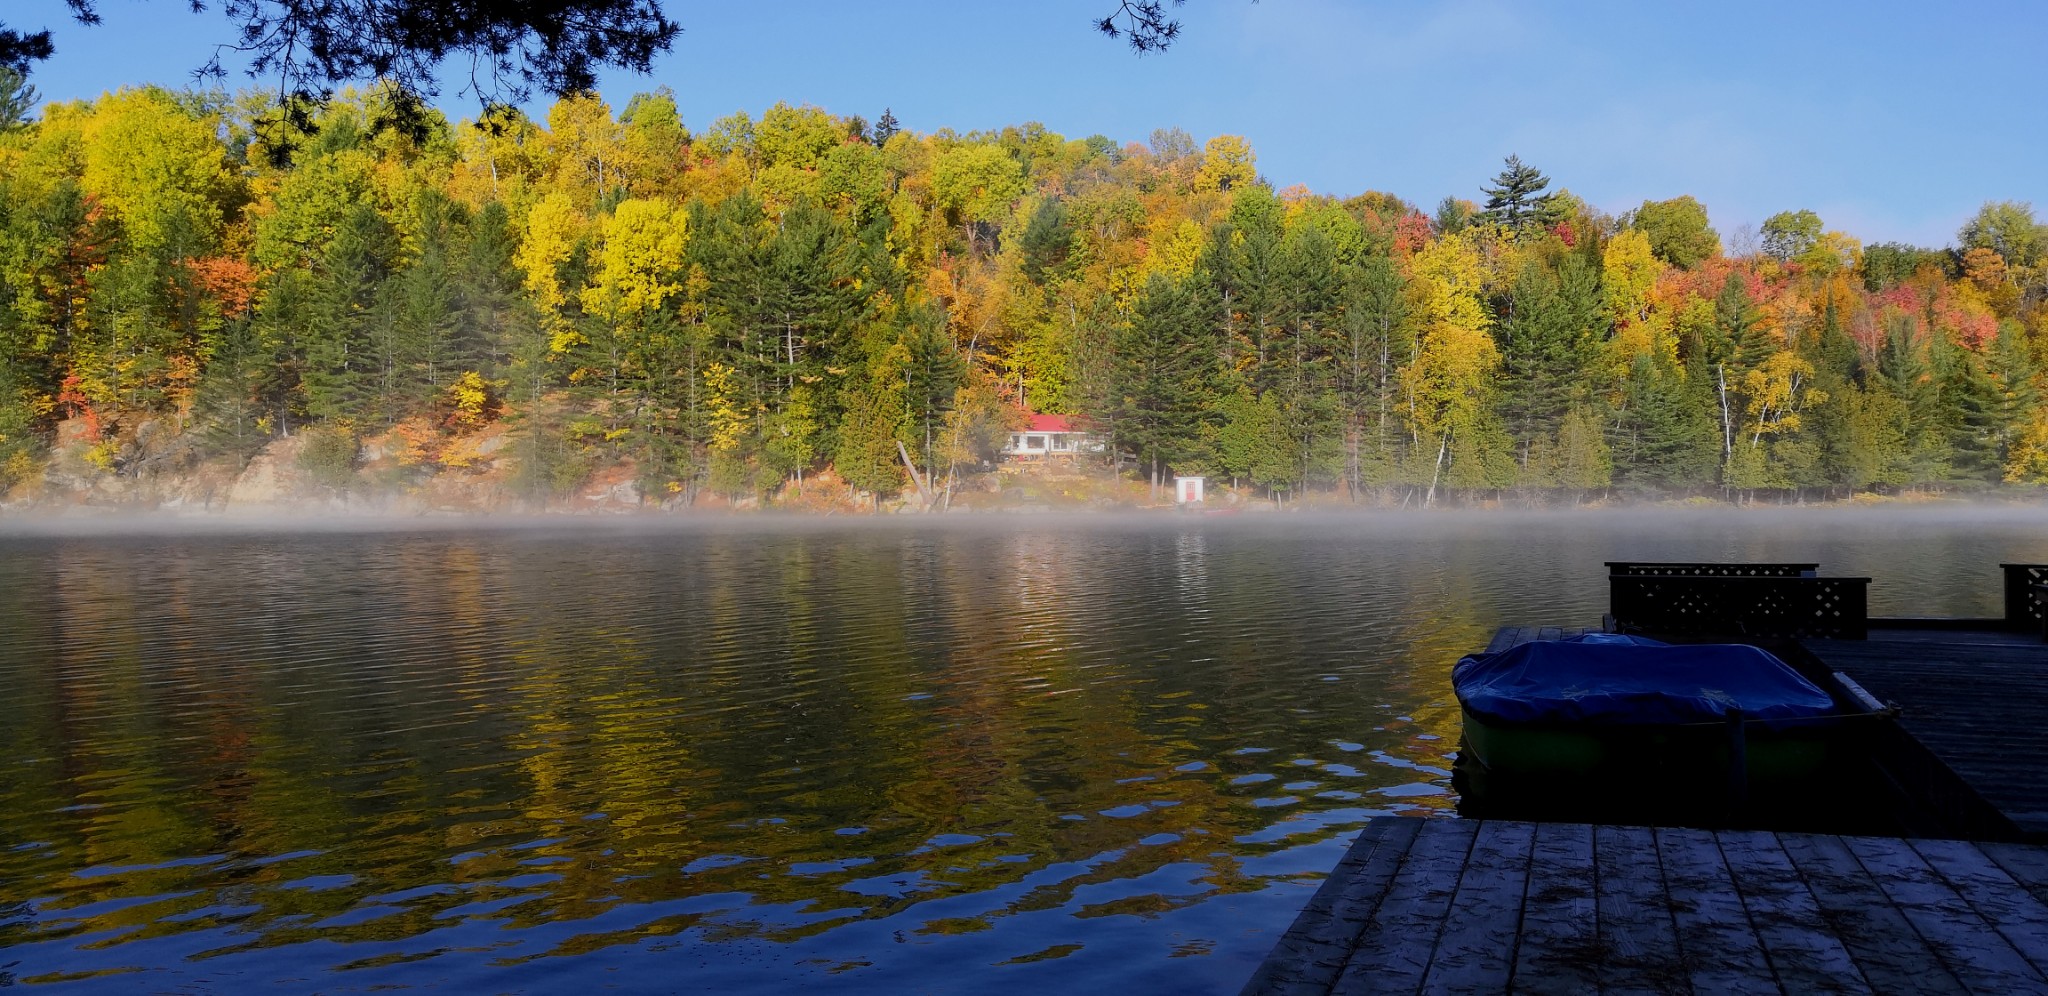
(543, 732)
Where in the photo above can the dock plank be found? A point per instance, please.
(1635, 925)
(1456, 906)
(1968, 946)
(1893, 956)
(2007, 906)
(1309, 957)
(1560, 943)
(1984, 734)
(1805, 954)
(1394, 951)
(1717, 945)
(2027, 865)
(1503, 638)
(1477, 950)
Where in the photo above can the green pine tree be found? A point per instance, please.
(1163, 378)
(1516, 197)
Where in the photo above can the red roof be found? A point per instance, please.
(1050, 423)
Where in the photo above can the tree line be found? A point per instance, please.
(737, 309)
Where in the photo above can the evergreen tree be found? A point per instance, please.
(1453, 216)
(1906, 375)
(1582, 462)
(1744, 340)
(1874, 451)
(17, 100)
(932, 375)
(2017, 377)
(228, 408)
(1253, 248)
(810, 300)
(486, 289)
(1545, 344)
(886, 127)
(426, 353)
(1250, 441)
(1163, 378)
(1048, 242)
(1516, 197)
(732, 244)
(348, 316)
(1663, 437)
(1304, 360)
(866, 455)
(1968, 410)
(1374, 348)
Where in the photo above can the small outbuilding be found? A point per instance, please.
(1050, 436)
(1187, 490)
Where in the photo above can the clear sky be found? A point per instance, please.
(1893, 120)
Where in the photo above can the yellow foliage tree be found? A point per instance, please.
(1176, 252)
(1227, 163)
(552, 228)
(1777, 390)
(160, 167)
(639, 259)
(587, 149)
(2027, 461)
(1446, 384)
(1629, 271)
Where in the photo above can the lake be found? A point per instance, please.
(1016, 754)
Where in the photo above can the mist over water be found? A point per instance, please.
(752, 754)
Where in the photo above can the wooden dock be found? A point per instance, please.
(1972, 732)
(1467, 906)
(1479, 906)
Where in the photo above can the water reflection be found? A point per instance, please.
(755, 758)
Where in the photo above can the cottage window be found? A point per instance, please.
(1059, 442)
(1034, 442)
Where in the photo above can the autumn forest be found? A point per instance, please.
(733, 310)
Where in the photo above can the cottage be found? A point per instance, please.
(1050, 435)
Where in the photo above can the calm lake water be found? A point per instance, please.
(1112, 753)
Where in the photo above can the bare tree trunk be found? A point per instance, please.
(1727, 425)
(923, 492)
(1442, 449)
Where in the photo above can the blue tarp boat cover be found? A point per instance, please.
(1604, 679)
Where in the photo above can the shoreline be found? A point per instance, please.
(18, 523)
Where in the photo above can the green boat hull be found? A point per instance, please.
(1703, 753)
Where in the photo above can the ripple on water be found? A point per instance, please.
(803, 757)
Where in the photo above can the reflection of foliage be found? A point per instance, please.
(524, 747)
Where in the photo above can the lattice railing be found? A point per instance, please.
(1682, 569)
(1837, 608)
(2021, 609)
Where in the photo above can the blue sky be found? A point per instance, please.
(1892, 120)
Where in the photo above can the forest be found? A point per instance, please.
(188, 276)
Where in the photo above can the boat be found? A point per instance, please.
(1628, 718)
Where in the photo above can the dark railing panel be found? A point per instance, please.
(1684, 569)
(2021, 610)
(2040, 604)
(1830, 608)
